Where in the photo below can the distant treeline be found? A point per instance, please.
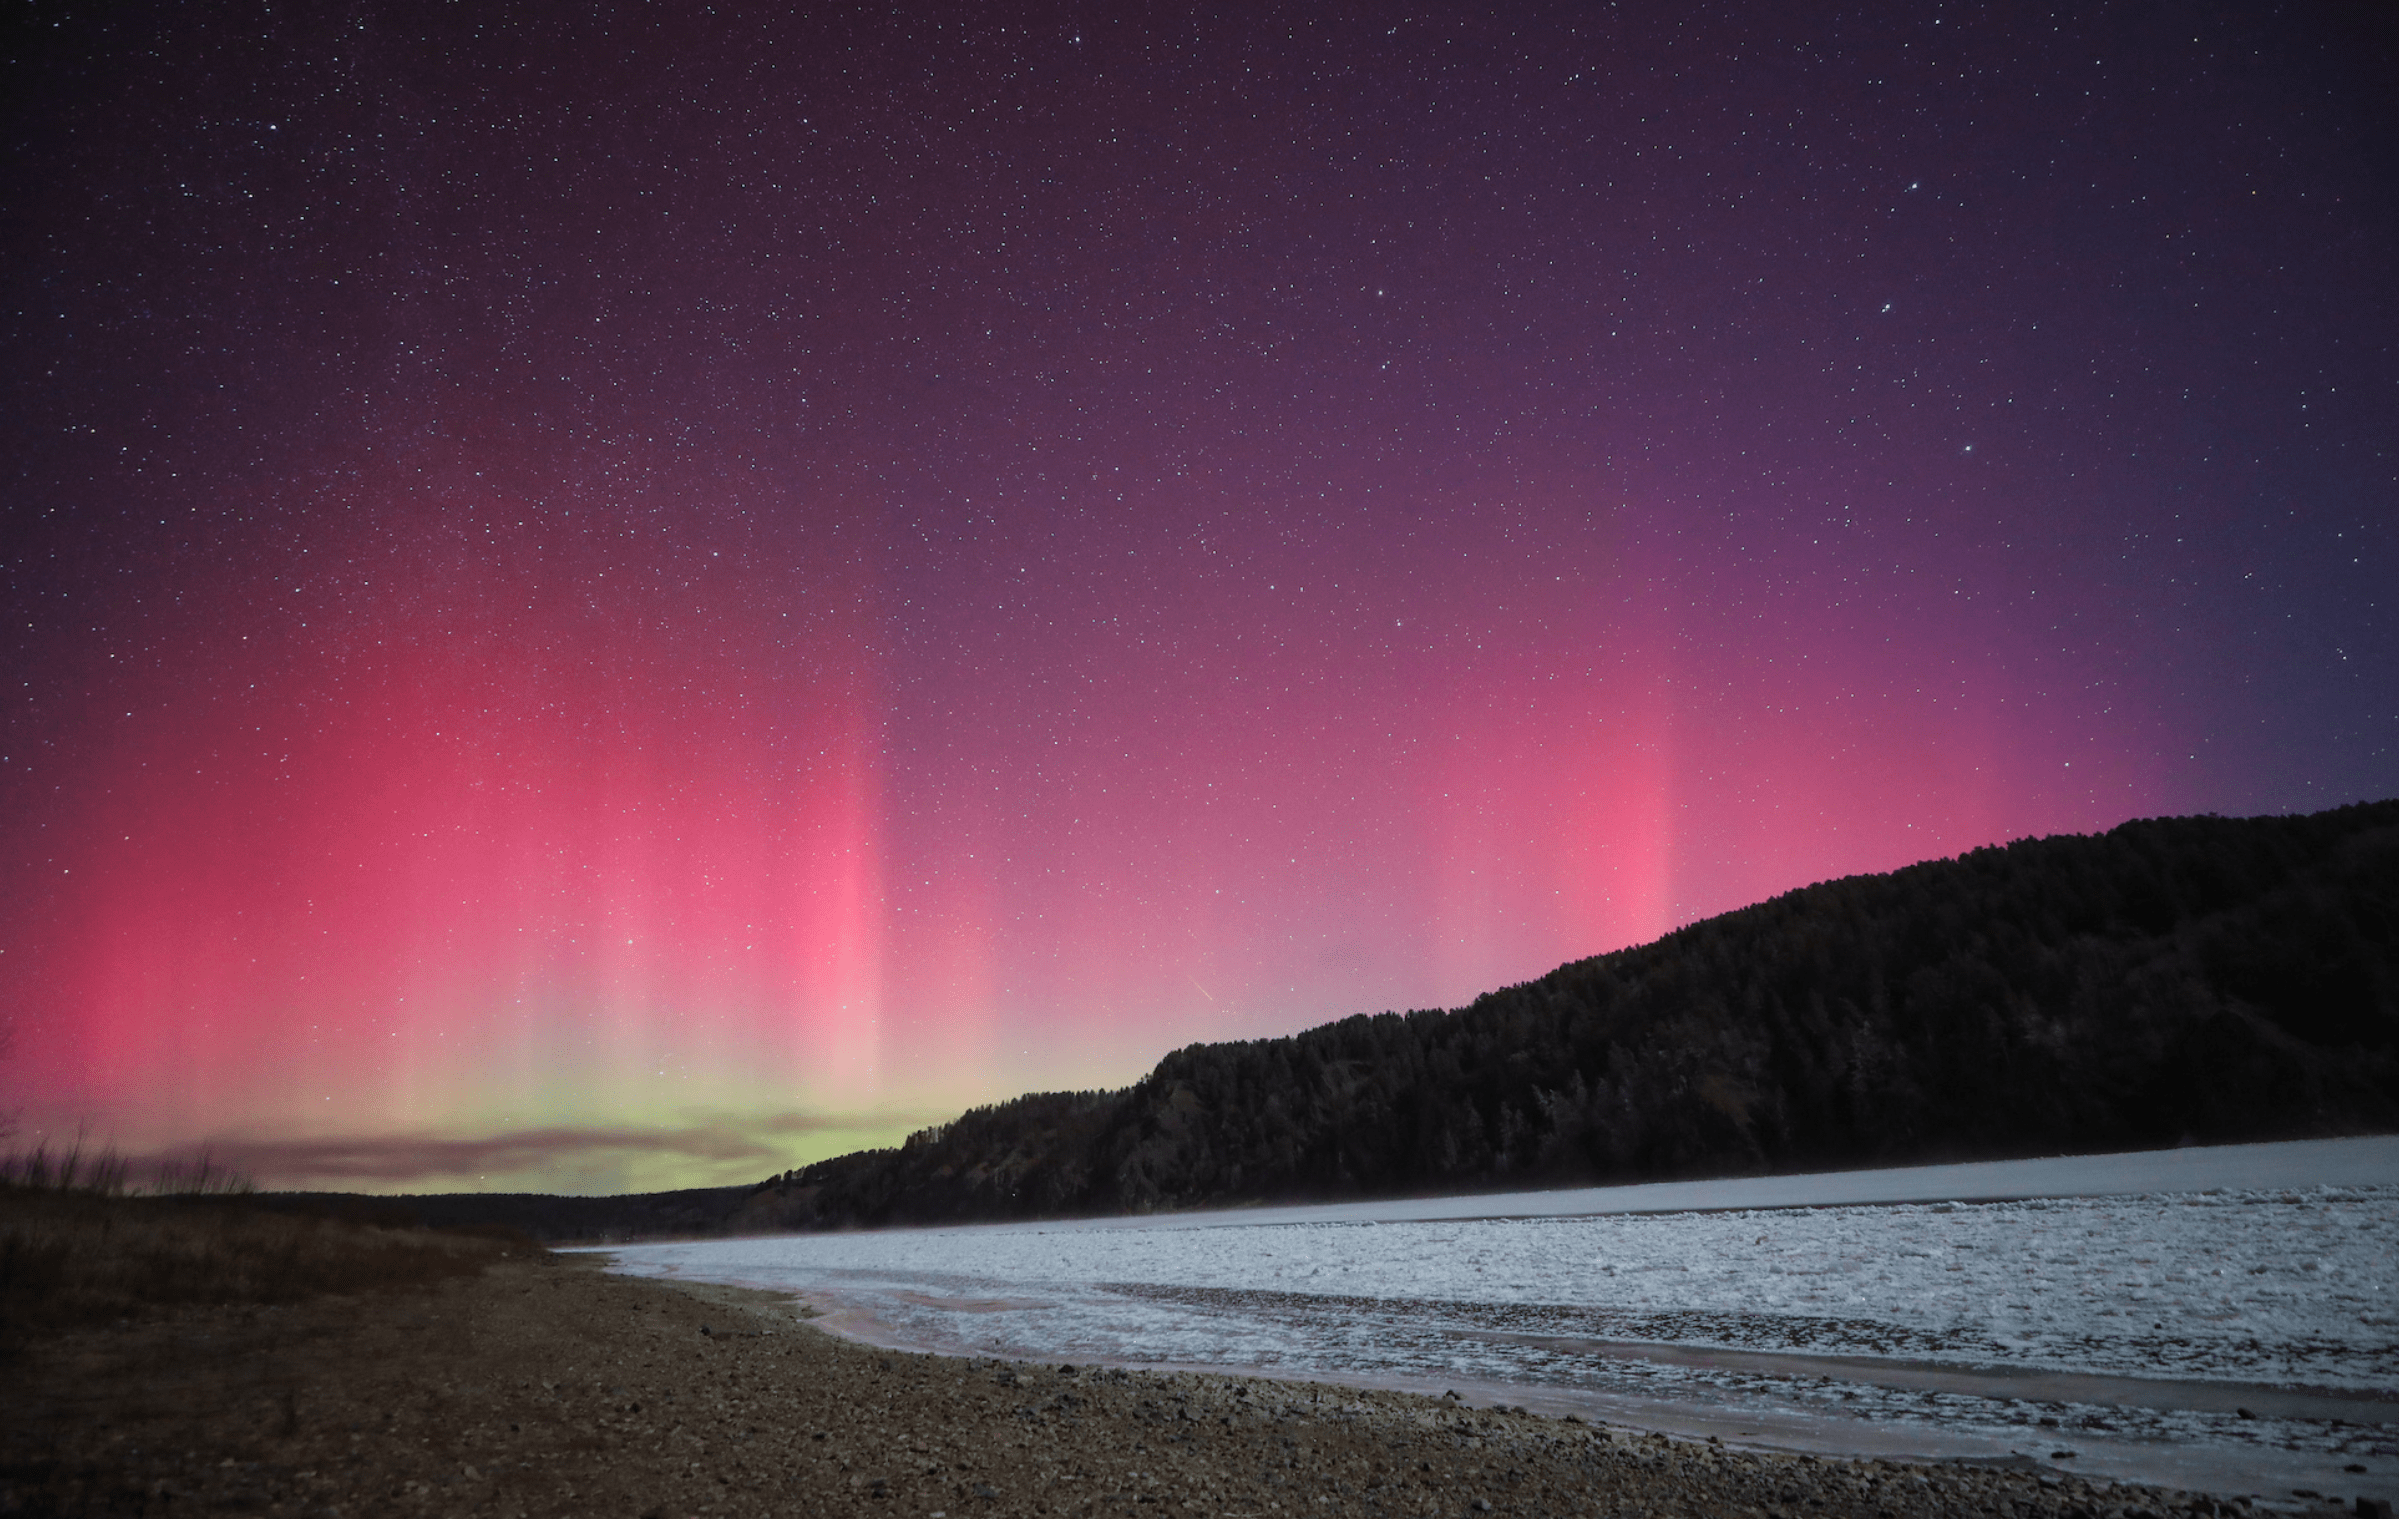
(549, 1219)
(2174, 980)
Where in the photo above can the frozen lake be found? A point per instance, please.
(2224, 1318)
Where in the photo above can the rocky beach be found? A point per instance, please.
(546, 1387)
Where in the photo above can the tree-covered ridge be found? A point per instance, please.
(2173, 980)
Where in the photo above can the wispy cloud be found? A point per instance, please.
(420, 1155)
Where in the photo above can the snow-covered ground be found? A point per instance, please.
(2225, 1317)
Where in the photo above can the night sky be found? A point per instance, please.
(628, 599)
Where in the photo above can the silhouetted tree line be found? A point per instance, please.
(545, 1218)
(2174, 980)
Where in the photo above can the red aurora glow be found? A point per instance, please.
(630, 599)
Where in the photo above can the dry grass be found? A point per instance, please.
(105, 1173)
(70, 1258)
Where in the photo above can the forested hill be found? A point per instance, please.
(2182, 979)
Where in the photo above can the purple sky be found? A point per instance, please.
(611, 599)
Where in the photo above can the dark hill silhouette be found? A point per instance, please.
(2173, 980)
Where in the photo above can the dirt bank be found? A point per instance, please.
(544, 1387)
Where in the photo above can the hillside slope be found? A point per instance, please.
(2173, 980)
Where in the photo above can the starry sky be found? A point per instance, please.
(616, 596)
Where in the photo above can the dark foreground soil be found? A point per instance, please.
(547, 1388)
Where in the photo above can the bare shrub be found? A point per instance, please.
(72, 1169)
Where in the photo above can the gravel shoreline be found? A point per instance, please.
(550, 1388)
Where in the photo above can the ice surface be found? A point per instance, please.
(2211, 1274)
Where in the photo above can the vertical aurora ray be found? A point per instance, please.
(528, 844)
(428, 872)
(517, 843)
